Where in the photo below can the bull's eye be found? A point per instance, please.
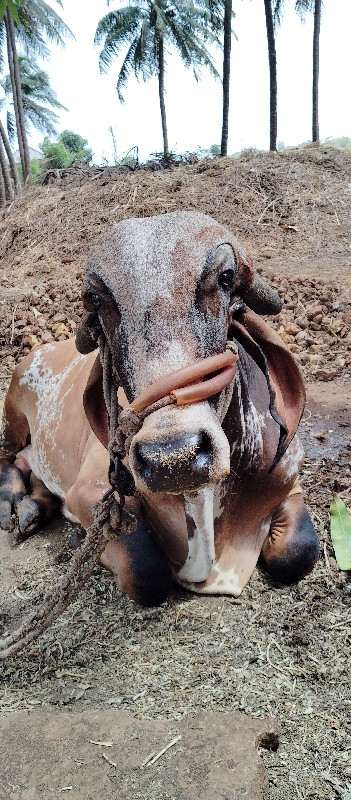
(226, 278)
(91, 301)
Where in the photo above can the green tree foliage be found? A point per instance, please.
(75, 144)
(61, 154)
(143, 31)
(12, 5)
(31, 24)
(37, 95)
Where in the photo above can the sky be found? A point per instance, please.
(194, 109)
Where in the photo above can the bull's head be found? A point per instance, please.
(161, 288)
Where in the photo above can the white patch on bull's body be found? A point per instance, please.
(231, 581)
(201, 556)
(219, 493)
(47, 386)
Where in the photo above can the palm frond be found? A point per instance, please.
(303, 6)
(11, 126)
(133, 63)
(36, 20)
(119, 26)
(40, 117)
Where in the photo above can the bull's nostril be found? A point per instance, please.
(205, 444)
(143, 462)
(204, 452)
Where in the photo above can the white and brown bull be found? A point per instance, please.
(216, 472)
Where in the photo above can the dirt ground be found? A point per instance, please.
(275, 651)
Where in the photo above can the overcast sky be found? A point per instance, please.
(194, 109)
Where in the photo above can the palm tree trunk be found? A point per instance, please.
(161, 92)
(5, 173)
(11, 160)
(2, 189)
(316, 32)
(227, 43)
(272, 57)
(14, 94)
(17, 95)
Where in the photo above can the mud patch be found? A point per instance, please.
(110, 754)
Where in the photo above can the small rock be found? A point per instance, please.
(59, 329)
(30, 340)
(47, 337)
(325, 374)
(314, 311)
(304, 358)
(302, 322)
(292, 329)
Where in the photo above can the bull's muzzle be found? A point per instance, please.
(183, 448)
(171, 465)
(179, 449)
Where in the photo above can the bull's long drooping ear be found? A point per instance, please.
(94, 403)
(87, 333)
(284, 380)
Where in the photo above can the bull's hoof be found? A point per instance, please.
(34, 511)
(28, 515)
(6, 520)
(12, 491)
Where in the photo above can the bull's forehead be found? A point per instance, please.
(159, 257)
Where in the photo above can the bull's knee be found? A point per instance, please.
(292, 547)
(142, 570)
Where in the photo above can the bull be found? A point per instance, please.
(211, 399)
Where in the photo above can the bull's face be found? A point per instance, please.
(161, 287)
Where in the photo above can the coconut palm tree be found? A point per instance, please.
(272, 59)
(16, 93)
(145, 28)
(227, 44)
(37, 95)
(315, 6)
(218, 15)
(315, 83)
(6, 144)
(32, 26)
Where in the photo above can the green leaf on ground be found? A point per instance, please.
(340, 530)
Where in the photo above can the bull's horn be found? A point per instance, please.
(87, 333)
(261, 298)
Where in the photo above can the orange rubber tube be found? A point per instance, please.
(200, 391)
(181, 378)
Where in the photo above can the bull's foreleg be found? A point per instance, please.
(292, 547)
(14, 432)
(25, 503)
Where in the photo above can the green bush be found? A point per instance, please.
(69, 147)
(56, 154)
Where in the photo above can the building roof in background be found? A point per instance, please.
(32, 154)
